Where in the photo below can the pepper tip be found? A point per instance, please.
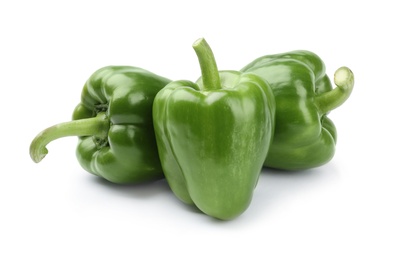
(344, 78)
(38, 154)
(198, 42)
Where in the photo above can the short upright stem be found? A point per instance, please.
(96, 126)
(209, 70)
(344, 80)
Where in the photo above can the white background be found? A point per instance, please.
(55, 210)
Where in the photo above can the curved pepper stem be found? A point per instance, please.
(96, 126)
(209, 69)
(344, 80)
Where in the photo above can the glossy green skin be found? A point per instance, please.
(304, 137)
(212, 144)
(129, 153)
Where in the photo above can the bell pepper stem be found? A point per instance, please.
(344, 80)
(209, 70)
(95, 126)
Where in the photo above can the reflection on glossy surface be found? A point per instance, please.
(212, 144)
(114, 125)
(304, 137)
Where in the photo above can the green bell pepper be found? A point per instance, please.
(213, 136)
(114, 125)
(304, 136)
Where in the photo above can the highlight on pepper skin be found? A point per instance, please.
(114, 126)
(304, 135)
